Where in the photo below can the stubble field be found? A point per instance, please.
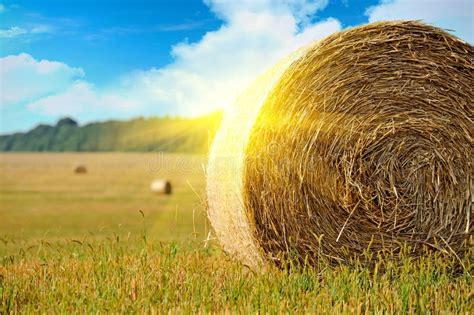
(102, 242)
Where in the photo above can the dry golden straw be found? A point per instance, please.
(362, 140)
(161, 186)
(80, 169)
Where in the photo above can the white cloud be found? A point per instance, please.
(68, 102)
(16, 31)
(81, 99)
(206, 75)
(209, 74)
(12, 32)
(42, 28)
(456, 15)
(23, 78)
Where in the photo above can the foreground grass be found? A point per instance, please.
(124, 276)
(76, 244)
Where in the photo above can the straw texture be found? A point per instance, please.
(364, 140)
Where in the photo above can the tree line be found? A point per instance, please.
(164, 134)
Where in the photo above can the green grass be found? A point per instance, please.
(42, 199)
(103, 243)
(120, 276)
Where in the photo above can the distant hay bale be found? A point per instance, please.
(364, 139)
(161, 186)
(80, 169)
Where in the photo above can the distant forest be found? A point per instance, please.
(162, 134)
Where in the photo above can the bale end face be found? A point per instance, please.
(364, 140)
(161, 186)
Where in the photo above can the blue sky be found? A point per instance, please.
(106, 38)
(118, 59)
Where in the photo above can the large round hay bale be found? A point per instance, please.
(364, 139)
(80, 169)
(161, 186)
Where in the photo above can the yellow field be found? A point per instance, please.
(41, 198)
(74, 243)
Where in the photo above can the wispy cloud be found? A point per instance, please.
(136, 30)
(17, 31)
(42, 29)
(7, 8)
(63, 21)
(122, 30)
(181, 26)
(38, 24)
(12, 32)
